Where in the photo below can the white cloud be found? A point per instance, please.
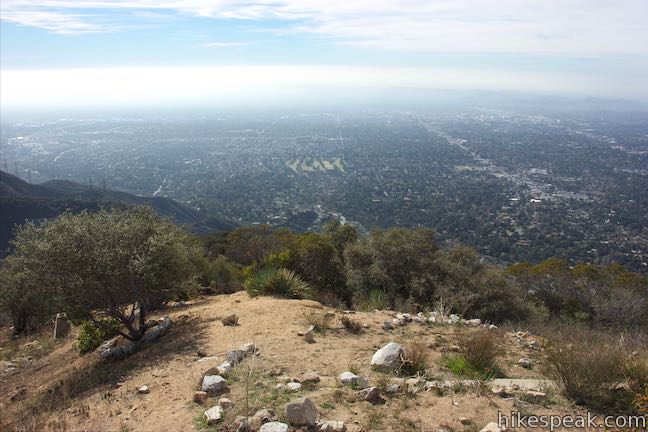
(573, 27)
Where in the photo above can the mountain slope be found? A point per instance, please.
(21, 201)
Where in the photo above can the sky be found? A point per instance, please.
(115, 52)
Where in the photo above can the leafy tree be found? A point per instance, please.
(24, 296)
(115, 263)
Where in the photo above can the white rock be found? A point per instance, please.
(454, 318)
(274, 426)
(474, 322)
(225, 403)
(224, 369)
(293, 386)
(144, 390)
(331, 426)
(213, 384)
(351, 379)
(301, 412)
(492, 427)
(388, 357)
(525, 363)
(398, 322)
(213, 414)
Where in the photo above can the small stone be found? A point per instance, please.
(351, 379)
(225, 403)
(249, 348)
(301, 412)
(293, 386)
(309, 378)
(454, 348)
(454, 318)
(331, 426)
(234, 356)
(525, 363)
(371, 395)
(465, 421)
(398, 322)
(474, 322)
(387, 326)
(274, 426)
(224, 369)
(231, 320)
(200, 397)
(201, 353)
(536, 395)
(492, 427)
(393, 388)
(309, 337)
(214, 384)
(213, 414)
(144, 390)
(492, 327)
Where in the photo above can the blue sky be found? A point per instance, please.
(61, 50)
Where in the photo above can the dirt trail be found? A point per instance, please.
(102, 397)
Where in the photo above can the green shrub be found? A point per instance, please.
(477, 358)
(91, 336)
(278, 282)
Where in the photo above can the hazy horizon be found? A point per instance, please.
(63, 53)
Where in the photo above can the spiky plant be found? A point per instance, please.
(278, 282)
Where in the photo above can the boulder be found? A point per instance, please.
(231, 320)
(274, 426)
(200, 397)
(301, 412)
(213, 414)
(353, 380)
(388, 357)
(331, 426)
(234, 356)
(371, 395)
(214, 384)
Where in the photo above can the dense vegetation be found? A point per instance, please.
(110, 269)
(125, 263)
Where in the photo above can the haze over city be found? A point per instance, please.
(56, 53)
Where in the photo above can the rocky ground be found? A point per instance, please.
(274, 368)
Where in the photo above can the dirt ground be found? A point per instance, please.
(65, 391)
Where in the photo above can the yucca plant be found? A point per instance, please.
(278, 282)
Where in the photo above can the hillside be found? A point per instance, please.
(83, 393)
(21, 201)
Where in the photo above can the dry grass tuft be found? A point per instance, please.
(415, 359)
(351, 325)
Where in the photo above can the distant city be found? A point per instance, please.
(517, 187)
